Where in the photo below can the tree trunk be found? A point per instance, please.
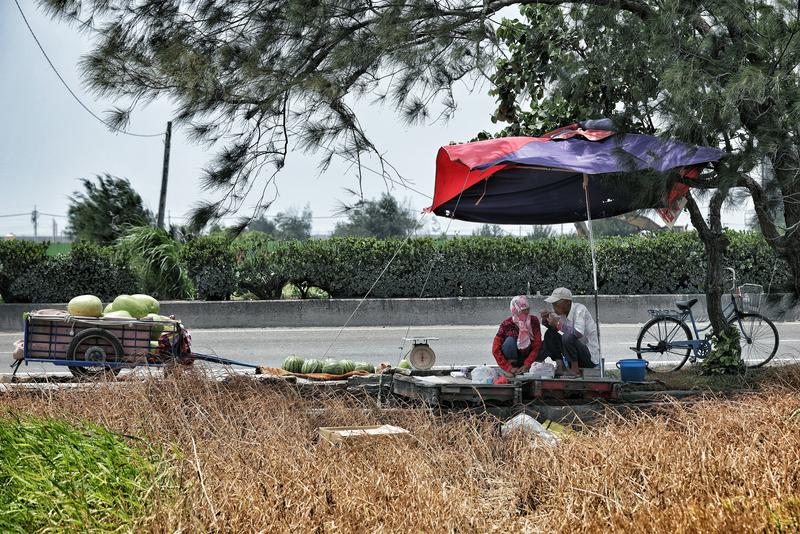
(716, 244)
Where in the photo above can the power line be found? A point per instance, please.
(78, 100)
(28, 213)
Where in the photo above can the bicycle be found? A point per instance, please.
(674, 344)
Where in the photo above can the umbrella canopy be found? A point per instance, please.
(539, 180)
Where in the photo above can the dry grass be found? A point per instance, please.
(251, 461)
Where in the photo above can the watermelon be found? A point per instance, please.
(293, 364)
(85, 306)
(311, 366)
(132, 305)
(150, 304)
(109, 308)
(347, 366)
(332, 367)
(364, 366)
(404, 364)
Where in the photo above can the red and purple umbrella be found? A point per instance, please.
(540, 180)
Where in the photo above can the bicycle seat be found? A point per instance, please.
(685, 304)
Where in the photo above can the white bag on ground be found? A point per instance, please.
(529, 425)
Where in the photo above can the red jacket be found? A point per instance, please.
(508, 328)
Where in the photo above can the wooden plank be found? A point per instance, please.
(360, 434)
(442, 380)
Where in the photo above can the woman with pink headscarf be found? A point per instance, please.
(516, 345)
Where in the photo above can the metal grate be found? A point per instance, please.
(674, 314)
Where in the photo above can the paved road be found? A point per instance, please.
(457, 345)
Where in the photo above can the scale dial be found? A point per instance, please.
(422, 357)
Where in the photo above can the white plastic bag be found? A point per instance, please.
(529, 425)
(484, 375)
(18, 350)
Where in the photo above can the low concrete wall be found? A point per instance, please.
(385, 312)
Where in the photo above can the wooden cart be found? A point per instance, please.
(92, 346)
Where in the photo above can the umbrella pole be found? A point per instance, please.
(594, 273)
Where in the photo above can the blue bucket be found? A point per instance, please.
(632, 370)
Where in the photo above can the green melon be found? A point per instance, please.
(364, 366)
(132, 305)
(332, 367)
(150, 304)
(347, 366)
(311, 366)
(109, 308)
(404, 364)
(293, 364)
(85, 306)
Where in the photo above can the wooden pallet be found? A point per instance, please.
(438, 389)
(442, 388)
(563, 388)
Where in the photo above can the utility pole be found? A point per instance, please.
(35, 221)
(55, 231)
(164, 174)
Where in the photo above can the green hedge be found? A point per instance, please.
(475, 266)
(347, 267)
(210, 262)
(16, 258)
(87, 269)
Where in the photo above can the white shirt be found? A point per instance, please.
(580, 321)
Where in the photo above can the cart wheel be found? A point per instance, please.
(94, 344)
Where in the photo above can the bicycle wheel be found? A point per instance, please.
(763, 343)
(655, 344)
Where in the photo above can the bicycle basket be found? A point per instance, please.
(748, 297)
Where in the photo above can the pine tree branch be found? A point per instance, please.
(761, 204)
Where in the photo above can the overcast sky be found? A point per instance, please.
(48, 142)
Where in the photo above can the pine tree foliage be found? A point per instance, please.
(257, 76)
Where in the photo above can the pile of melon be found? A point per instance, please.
(137, 306)
(294, 364)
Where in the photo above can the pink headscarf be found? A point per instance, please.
(518, 306)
